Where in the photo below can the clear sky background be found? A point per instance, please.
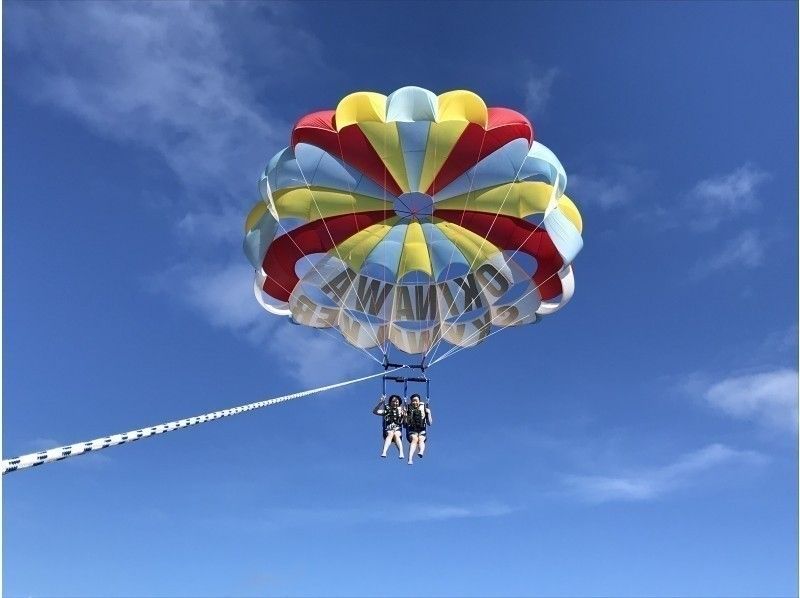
(641, 442)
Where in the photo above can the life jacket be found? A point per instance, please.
(416, 419)
(392, 415)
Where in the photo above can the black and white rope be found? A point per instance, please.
(72, 450)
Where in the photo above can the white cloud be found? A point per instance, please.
(538, 89)
(744, 252)
(768, 398)
(317, 357)
(170, 77)
(401, 514)
(224, 296)
(35, 445)
(620, 185)
(212, 225)
(780, 342)
(163, 75)
(719, 197)
(652, 483)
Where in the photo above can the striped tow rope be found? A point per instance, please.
(72, 450)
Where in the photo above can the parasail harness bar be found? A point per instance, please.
(72, 450)
(404, 380)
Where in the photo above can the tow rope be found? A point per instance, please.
(73, 450)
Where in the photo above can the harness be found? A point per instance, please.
(416, 421)
(392, 415)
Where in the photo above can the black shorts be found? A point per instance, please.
(410, 433)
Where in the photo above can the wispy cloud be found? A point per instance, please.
(618, 186)
(211, 226)
(538, 89)
(654, 482)
(224, 296)
(168, 77)
(780, 343)
(161, 75)
(171, 77)
(744, 252)
(767, 398)
(719, 197)
(349, 515)
(34, 445)
(316, 357)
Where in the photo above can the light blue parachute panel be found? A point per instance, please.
(415, 277)
(565, 236)
(447, 260)
(383, 260)
(410, 104)
(282, 172)
(257, 241)
(499, 167)
(542, 165)
(413, 139)
(310, 262)
(322, 169)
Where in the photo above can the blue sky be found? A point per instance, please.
(641, 442)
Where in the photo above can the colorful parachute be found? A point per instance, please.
(413, 219)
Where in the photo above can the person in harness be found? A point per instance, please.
(418, 418)
(393, 415)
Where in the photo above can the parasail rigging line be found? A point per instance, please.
(442, 336)
(271, 204)
(335, 337)
(435, 344)
(335, 245)
(453, 350)
(375, 335)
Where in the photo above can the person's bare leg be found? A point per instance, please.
(421, 451)
(386, 443)
(398, 440)
(412, 447)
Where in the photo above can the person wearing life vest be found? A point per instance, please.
(393, 415)
(418, 418)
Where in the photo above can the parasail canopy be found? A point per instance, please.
(413, 219)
